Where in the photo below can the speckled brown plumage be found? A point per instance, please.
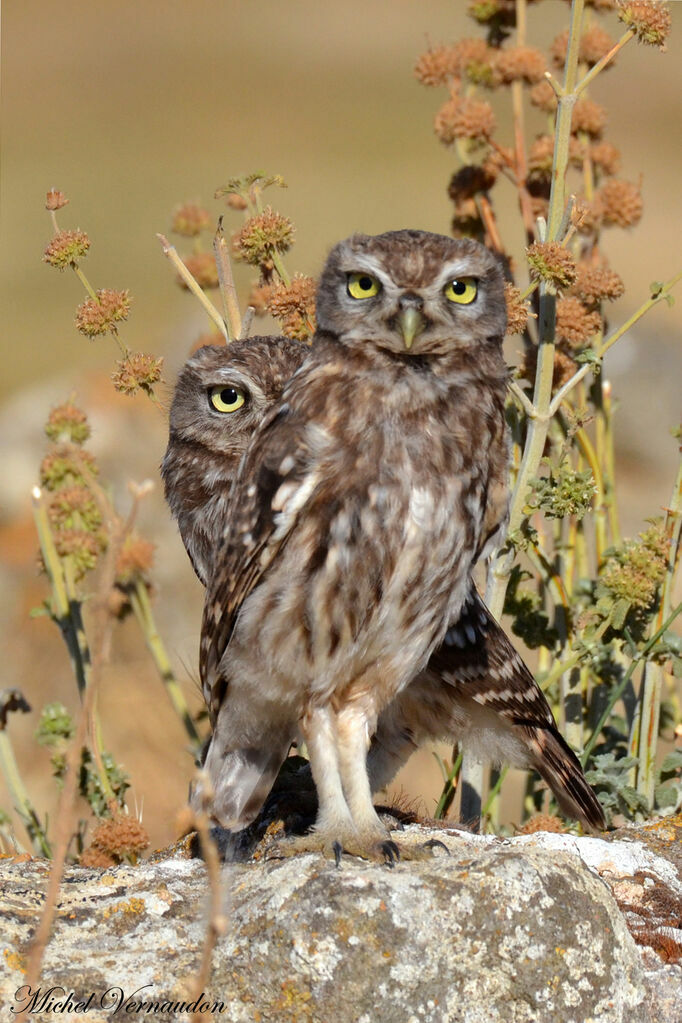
(436, 702)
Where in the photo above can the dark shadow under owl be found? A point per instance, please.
(474, 688)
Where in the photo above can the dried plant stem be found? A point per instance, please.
(171, 252)
(19, 796)
(606, 59)
(652, 679)
(103, 623)
(141, 605)
(216, 922)
(228, 292)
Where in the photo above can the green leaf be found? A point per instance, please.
(666, 795)
(672, 763)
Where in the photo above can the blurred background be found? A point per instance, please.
(131, 109)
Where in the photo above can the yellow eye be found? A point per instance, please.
(362, 285)
(226, 399)
(462, 290)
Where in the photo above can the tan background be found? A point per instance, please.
(133, 107)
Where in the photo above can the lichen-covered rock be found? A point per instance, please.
(517, 931)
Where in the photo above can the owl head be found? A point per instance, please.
(412, 292)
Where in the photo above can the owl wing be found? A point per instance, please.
(479, 661)
(275, 481)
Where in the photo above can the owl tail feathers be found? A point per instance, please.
(240, 781)
(559, 767)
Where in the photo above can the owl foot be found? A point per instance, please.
(380, 849)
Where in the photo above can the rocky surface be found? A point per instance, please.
(536, 928)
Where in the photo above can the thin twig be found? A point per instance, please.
(232, 317)
(171, 252)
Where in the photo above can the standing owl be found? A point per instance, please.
(358, 512)
(475, 689)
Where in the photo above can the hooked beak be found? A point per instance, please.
(411, 323)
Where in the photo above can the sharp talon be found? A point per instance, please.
(391, 853)
(435, 843)
(337, 849)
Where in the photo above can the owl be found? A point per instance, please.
(475, 689)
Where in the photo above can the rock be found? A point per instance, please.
(526, 929)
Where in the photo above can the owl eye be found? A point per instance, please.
(362, 285)
(226, 399)
(462, 290)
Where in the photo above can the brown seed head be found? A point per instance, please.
(519, 63)
(473, 59)
(471, 180)
(543, 96)
(63, 468)
(621, 202)
(605, 157)
(551, 263)
(595, 44)
(465, 119)
(82, 547)
(294, 307)
(96, 859)
(542, 822)
(558, 48)
(650, 19)
(67, 422)
(517, 309)
(236, 201)
(75, 508)
(100, 315)
(202, 268)
(190, 220)
(66, 247)
(259, 297)
(564, 367)
(55, 200)
(120, 836)
(435, 66)
(589, 117)
(262, 236)
(575, 324)
(596, 282)
(466, 222)
(137, 371)
(135, 560)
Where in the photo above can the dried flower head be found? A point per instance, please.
(435, 66)
(517, 309)
(559, 48)
(551, 263)
(575, 324)
(135, 560)
(595, 44)
(519, 63)
(262, 236)
(95, 859)
(595, 282)
(473, 59)
(605, 157)
(621, 202)
(542, 822)
(120, 836)
(202, 268)
(466, 222)
(540, 157)
(650, 20)
(471, 180)
(190, 220)
(589, 117)
(294, 307)
(64, 468)
(100, 316)
(81, 547)
(66, 247)
(543, 97)
(465, 119)
(137, 371)
(55, 200)
(75, 508)
(236, 201)
(67, 422)
(259, 297)
(587, 216)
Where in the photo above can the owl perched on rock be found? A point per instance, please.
(475, 686)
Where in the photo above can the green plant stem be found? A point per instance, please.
(449, 789)
(19, 797)
(572, 659)
(280, 268)
(139, 599)
(652, 679)
(494, 791)
(171, 253)
(620, 688)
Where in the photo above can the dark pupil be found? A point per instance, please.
(365, 283)
(459, 287)
(229, 395)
